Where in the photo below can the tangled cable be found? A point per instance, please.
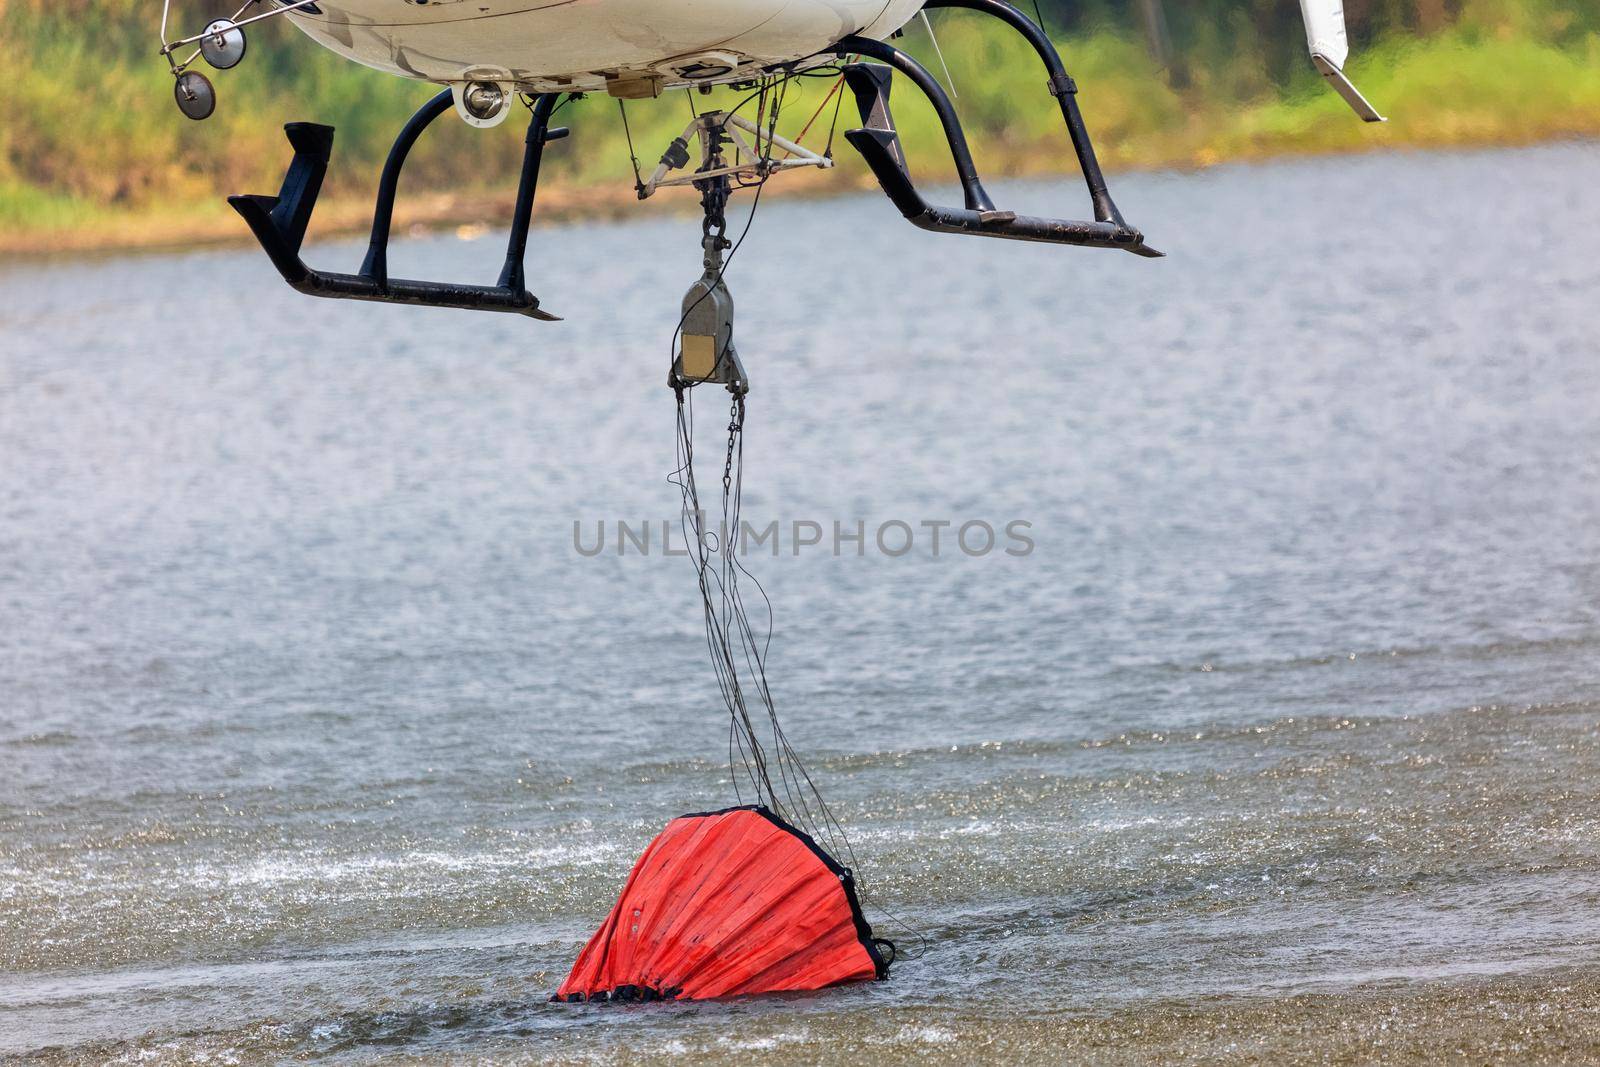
(761, 759)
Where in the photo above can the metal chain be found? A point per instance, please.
(714, 199)
(714, 192)
(735, 427)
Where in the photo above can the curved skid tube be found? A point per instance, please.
(279, 222)
(1061, 86)
(879, 143)
(877, 147)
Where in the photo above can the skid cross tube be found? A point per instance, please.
(376, 265)
(279, 222)
(1061, 86)
(879, 143)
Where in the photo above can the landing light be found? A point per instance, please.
(483, 100)
(483, 103)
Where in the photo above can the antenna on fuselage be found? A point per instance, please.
(950, 80)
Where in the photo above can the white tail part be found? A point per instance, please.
(1330, 47)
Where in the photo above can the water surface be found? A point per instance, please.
(318, 738)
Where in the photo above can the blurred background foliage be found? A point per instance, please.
(93, 152)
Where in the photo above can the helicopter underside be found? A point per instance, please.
(867, 70)
(551, 49)
(631, 47)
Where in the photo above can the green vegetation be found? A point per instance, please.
(93, 154)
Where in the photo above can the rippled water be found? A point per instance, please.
(319, 738)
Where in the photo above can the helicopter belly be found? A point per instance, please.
(582, 44)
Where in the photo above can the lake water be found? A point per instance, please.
(320, 739)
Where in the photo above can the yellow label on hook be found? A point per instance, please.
(699, 356)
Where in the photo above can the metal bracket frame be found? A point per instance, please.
(760, 155)
(279, 222)
(879, 143)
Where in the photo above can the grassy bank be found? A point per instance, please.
(119, 167)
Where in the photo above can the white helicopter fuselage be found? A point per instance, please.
(632, 47)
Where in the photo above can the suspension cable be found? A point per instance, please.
(760, 758)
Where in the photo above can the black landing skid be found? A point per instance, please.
(279, 222)
(880, 144)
